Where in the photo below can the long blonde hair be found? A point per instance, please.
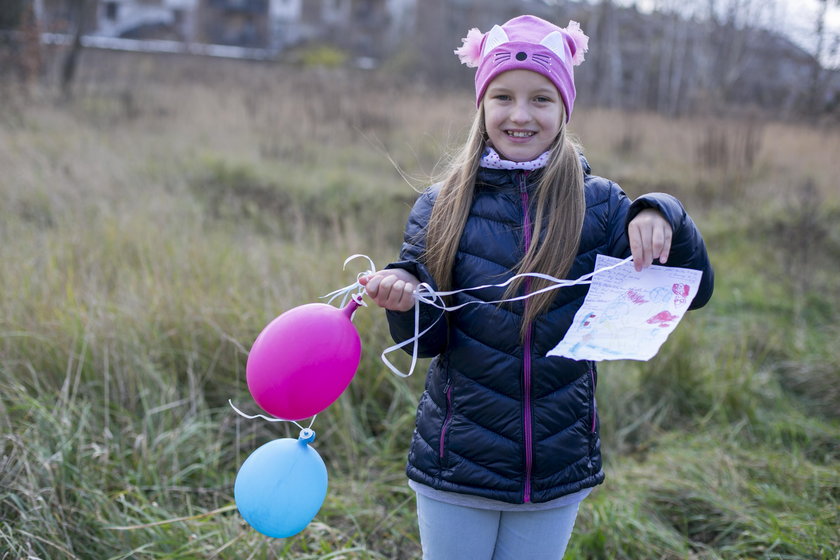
(560, 208)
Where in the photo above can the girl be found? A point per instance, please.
(506, 443)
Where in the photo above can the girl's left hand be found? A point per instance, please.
(650, 236)
(391, 289)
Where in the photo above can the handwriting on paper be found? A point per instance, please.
(628, 315)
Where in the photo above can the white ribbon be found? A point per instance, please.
(270, 419)
(425, 294)
(347, 292)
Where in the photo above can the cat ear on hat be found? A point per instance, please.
(470, 51)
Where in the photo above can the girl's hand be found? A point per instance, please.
(391, 289)
(650, 236)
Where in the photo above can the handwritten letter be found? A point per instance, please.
(628, 315)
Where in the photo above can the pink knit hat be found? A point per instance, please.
(526, 43)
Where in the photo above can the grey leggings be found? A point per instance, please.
(452, 532)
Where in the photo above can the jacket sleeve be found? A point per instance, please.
(401, 323)
(688, 250)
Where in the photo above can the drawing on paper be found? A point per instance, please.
(628, 314)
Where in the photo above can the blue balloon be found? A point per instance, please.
(280, 487)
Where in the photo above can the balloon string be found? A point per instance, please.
(355, 290)
(424, 293)
(267, 419)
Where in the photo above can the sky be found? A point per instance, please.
(802, 14)
(795, 18)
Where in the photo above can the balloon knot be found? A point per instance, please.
(307, 435)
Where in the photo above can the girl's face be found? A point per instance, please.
(523, 113)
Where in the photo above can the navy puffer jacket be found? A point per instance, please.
(498, 418)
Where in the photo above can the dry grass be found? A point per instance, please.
(708, 160)
(150, 227)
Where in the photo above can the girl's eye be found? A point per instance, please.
(502, 97)
(542, 99)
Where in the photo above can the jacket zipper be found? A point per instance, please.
(447, 419)
(526, 350)
(594, 403)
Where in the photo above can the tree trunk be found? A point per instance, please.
(816, 89)
(666, 54)
(30, 58)
(71, 61)
(678, 68)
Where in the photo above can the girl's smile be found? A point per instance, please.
(523, 113)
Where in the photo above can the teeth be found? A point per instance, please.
(518, 134)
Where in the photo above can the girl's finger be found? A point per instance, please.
(396, 292)
(666, 246)
(372, 287)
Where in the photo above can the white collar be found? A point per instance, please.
(492, 160)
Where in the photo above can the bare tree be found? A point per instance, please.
(20, 44)
(825, 46)
(71, 61)
(606, 59)
(614, 61)
(676, 59)
(30, 56)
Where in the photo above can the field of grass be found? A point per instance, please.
(152, 225)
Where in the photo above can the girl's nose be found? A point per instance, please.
(520, 113)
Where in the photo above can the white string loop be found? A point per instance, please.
(270, 419)
(424, 293)
(353, 291)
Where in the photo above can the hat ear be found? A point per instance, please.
(577, 40)
(494, 38)
(556, 43)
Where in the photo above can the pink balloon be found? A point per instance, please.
(303, 360)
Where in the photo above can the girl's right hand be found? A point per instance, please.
(391, 289)
(650, 235)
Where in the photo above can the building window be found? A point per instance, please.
(111, 11)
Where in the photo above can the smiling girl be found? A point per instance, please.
(506, 444)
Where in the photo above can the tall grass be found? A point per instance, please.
(152, 226)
